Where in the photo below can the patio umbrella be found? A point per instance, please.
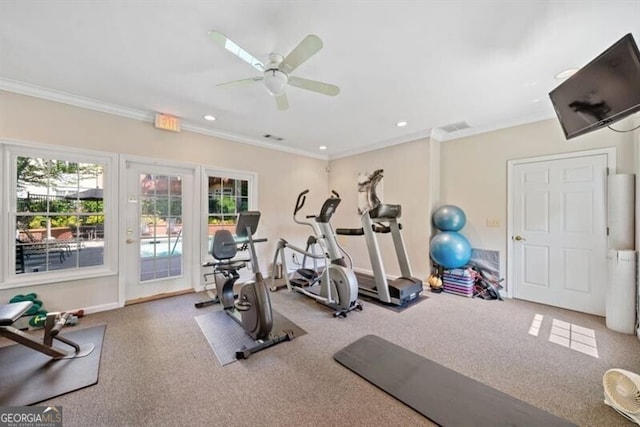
(90, 194)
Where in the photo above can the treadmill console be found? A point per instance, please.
(384, 210)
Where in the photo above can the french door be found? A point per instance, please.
(158, 230)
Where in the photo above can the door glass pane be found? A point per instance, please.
(160, 233)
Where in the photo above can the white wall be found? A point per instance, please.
(474, 171)
(406, 182)
(281, 175)
(471, 173)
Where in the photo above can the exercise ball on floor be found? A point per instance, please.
(449, 218)
(450, 249)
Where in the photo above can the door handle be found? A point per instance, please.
(518, 238)
(130, 241)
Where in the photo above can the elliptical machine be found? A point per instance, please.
(336, 286)
(252, 309)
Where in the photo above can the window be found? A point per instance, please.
(57, 213)
(227, 194)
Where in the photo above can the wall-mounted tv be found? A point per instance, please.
(602, 92)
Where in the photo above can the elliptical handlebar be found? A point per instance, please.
(302, 198)
(325, 213)
(300, 201)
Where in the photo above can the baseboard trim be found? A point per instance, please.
(158, 296)
(99, 308)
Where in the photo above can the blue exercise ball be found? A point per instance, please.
(449, 218)
(450, 249)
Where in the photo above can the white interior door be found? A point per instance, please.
(159, 236)
(559, 241)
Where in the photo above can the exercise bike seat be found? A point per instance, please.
(228, 266)
(11, 312)
(224, 248)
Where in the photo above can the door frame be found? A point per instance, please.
(610, 152)
(193, 215)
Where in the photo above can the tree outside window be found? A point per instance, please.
(59, 214)
(226, 198)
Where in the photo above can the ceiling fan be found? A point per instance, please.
(276, 73)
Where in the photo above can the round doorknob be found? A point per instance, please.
(518, 238)
(130, 241)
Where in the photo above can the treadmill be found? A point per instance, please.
(381, 220)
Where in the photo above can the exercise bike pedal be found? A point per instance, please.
(308, 273)
(300, 283)
(206, 303)
(242, 306)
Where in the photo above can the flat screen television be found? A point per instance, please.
(602, 92)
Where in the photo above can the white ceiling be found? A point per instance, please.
(430, 63)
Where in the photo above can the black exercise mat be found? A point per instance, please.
(28, 376)
(226, 336)
(446, 397)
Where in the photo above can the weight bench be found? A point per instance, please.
(11, 312)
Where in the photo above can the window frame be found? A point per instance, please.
(207, 172)
(10, 151)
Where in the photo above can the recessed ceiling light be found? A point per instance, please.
(323, 147)
(401, 124)
(566, 73)
(209, 117)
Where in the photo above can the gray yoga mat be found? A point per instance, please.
(28, 376)
(446, 397)
(226, 336)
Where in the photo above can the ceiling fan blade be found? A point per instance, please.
(281, 102)
(242, 82)
(228, 44)
(324, 88)
(305, 50)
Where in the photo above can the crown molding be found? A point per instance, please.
(149, 116)
(251, 141)
(144, 116)
(383, 144)
(75, 100)
(442, 135)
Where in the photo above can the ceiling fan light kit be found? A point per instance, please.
(276, 73)
(275, 81)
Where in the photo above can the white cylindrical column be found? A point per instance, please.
(620, 306)
(621, 211)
